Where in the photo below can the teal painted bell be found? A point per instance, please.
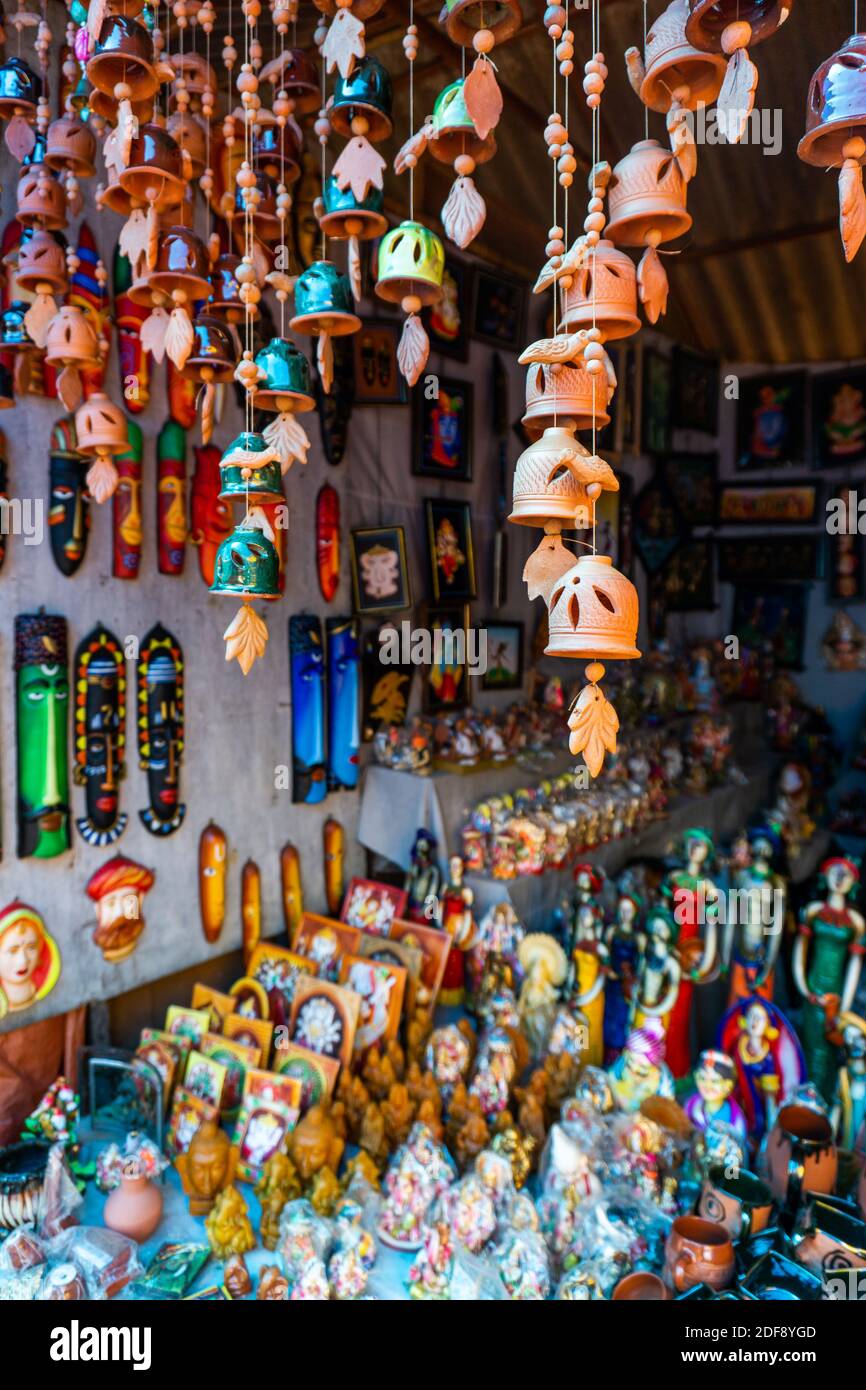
(250, 468)
(365, 92)
(323, 302)
(247, 565)
(287, 378)
(411, 263)
(453, 130)
(345, 216)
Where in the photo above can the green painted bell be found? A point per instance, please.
(345, 216)
(365, 92)
(250, 468)
(453, 130)
(323, 302)
(411, 262)
(287, 378)
(247, 565)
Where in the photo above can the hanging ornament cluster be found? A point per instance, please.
(835, 135)
(359, 110)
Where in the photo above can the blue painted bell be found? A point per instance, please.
(287, 378)
(20, 89)
(247, 565)
(366, 92)
(250, 471)
(323, 302)
(347, 216)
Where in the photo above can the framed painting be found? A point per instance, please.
(386, 686)
(391, 952)
(269, 1110)
(658, 527)
(254, 1032)
(219, 1005)
(450, 549)
(692, 481)
(846, 558)
(378, 380)
(768, 504)
(504, 656)
(772, 614)
(785, 558)
(446, 680)
(380, 575)
(771, 420)
(237, 1058)
(630, 392)
(381, 988)
(447, 323)
(657, 385)
(324, 1018)
(435, 946)
(839, 418)
(325, 940)
(695, 404)
(498, 309)
(442, 430)
(372, 906)
(687, 578)
(277, 969)
(317, 1073)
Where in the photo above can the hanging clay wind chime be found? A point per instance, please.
(450, 137)
(353, 196)
(20, 90)
(101, 431)
(344, 41)
(836, 133)
(647, 206)
(730, 27)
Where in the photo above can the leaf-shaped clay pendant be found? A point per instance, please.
(415, 145)
(547, 563)
(125, 132)
(344, 42)
(359, 167)
(682, 140)
(20, 138)
(246, 638)
(482, 97)
(652, 284)
(134, 236)
(413, 349)
(102, 479)
(737, 97)
(38, 317)
(463, 213)
(325, 361)
(593, 722)
(852, 207)
(287, 435)
(69, 388)
(153, 332)
(635, 68)
(179, 337)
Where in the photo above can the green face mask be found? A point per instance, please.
(43, 777)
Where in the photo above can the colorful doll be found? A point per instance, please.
(424, 878)
(640, 1071)
(126, 508)
(756, 917)
(118, 889)
(457, 920)
(499, 938)
(589, 973)
(659, 976)
(68, 513)
(161, 729)
(29, 959)
(171, 498)
(695, 904)
(713, 1102)
(210, 516)
(306, 662)
(828, 980)
(100, 735)
(624, 942)
(42, 683)
(768, 1058)
(849, 1101)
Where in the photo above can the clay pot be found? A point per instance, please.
(698, 1252)
(742, 1204)
(155, 163)
(593, 613)
(181, 264)
(836, 1241)
(801, 1154)
(124, 53)
(641, 1287)
(672, 62)
(134, 1208)
(22, 1174)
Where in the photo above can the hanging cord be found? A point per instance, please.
(646, 108)
(282, 130)
(412, 117)
(323, 144)
(557, 311)
(596, 156)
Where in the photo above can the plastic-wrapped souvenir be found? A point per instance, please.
(111, 1161)
(418, 1173)
(494, 1171)
(350, 1264)
(431, 1270)
(580, 1285)
(499, 935)
(494, 1072)
(311, 1284)
(304, 1238)
(448, 1057)
(524, 1266)
(469, 1212)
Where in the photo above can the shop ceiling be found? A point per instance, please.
(761, 275)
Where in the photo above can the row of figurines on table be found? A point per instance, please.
(596, 978)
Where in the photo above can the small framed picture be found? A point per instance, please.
(687, 577)
(447, 323)
(380, 575)
(696, 392)
(253, 1032)
(219, 1005)
(498, 309)
(846, 559)
(692, 480)
(378, 380)
(372, 906)
(504, 656)
(317, 1074)
(381, 988)
(755, 560)
(657, 387)
(450, 549)
(325, 942)
(324, 1018)
(237, 1059)
(446, 680)
(435, 946)
(839, 417)
(205, 1077)
(188, 1112)
(772, 616)
(277, 969)
(771, 420)
(270, 1109)
(768, 504)
(391, 952)
(191, 1024)
(442, 429)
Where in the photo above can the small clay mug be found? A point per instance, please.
(801, 1154)
(742, 1204)
(834, 1240)
(698, 1252)
(642, 1286)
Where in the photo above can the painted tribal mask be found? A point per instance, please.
(100, 735)
(68, 512)
(307, 668)
(42, 689)
(126, 508)
(171, 498)
(161, 728)
(344, 703)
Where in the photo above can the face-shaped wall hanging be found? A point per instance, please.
(161, 729)
(171, 498)
(211, 518)
(126, 508)
(118, 888)
(182, 392)
(344, 702)
(133, 361)
(100, 735)
(42, 685)
(68, 512)
(307, 667)
(29, 959)
(335, 406)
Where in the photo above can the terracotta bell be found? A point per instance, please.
(112, 195)
(181, 265)
(346, 216)
(647, 197)
(250, 468)
(100, 426)
(188, 131)
(411, 262)
(41, 198)
(198, 76)
(20, 89)
(225, 302)
(546, 492)
(361, 9)
(323, 302)
(836, 133)
(71, 344)
(365, 92)
(569, 394)
(155, 166)
(16, 339)
(603, 292)
(41, 259)
(123, 56)
(294, 72)
(593, 612)
(71, 144)
(453, 130)
(464, 18)
(708, 20)
(276, 149)
(247, 565)
(211, 360)
(673, 65)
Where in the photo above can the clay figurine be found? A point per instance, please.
(316, 1141)
(207, 1167)
(236, 1277)
(278, 1184)
(228, 1226)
